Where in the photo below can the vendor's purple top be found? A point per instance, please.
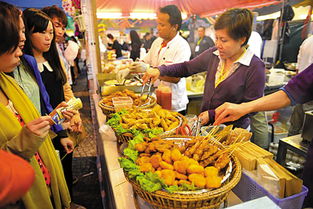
(245, 84)
(300, 88)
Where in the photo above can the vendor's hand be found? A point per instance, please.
(204, 117)
(229, 112)
(40, 126)
(153, 74)
(68, 144)
(69, 114)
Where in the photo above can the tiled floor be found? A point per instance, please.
(86, 188)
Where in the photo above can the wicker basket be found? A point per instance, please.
(126, 137)
(108, 110)
(206, 200)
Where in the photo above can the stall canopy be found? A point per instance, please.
(190, 7)
(23, 4)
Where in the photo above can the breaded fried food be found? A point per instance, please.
(141, 147)
(213, 182)
(181, 166)
(222, 161)
(168, 176)
(197, 179)
(181, 176)
(167, 156)
(193, 168)
(142, 160)
(175, 154)
(146, 167)
(155, 161)
(180, 182)
(166, 165)
(210, 171)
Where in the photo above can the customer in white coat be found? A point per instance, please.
(168, 49)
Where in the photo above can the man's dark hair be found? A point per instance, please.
(110, 36)
(202, 27)
(174, 13)
(55, 11)
(9, 27)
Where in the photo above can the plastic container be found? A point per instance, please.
(120, 103)
(247, 189)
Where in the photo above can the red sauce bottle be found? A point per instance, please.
(166, 97)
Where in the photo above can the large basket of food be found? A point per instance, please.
(146, 122)
(181, 172)
(106, 103)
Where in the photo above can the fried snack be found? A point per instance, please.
(180, 176)
(155, 161)
(213, 182)
(142, 160)
(189, 152)
(193, 168)
(166, 165)
(144, 155)
(150, 148)
(146, 167)
(192, 161)
(141, 147)
(175, 154)
(159, 173)
(210, 171)
(197, 179)
(167, 156)
(212, 150)
(211, 159)
(181, 166)
(222, 161)
(168, 176)
(107, 101)
(180, 182)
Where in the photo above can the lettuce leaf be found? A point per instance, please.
(131, 154)
(147, 184)
(127, 164)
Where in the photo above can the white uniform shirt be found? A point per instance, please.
(176, 51)
(305, 56)
(255, 43)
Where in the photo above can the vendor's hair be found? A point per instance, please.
(134, 37)
(55, 11)
(37, 21)
(174, 13)
(9, 27)
(237, 22)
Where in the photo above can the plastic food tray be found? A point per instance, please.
(247, 189)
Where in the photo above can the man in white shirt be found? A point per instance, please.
(258, 124)
(168, 49)
(305, 58)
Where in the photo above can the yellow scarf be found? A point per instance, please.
(38, 196)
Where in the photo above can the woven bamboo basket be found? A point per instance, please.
(121, 138)
(108, 110)
(206, 200)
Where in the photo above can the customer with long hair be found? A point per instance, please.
(22, 130)
(40, 43)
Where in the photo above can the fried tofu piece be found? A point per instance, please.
(181, 166)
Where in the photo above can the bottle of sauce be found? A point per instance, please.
(158, 95)
(166, 96)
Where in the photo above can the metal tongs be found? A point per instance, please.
(195, 130)
(147, 86)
